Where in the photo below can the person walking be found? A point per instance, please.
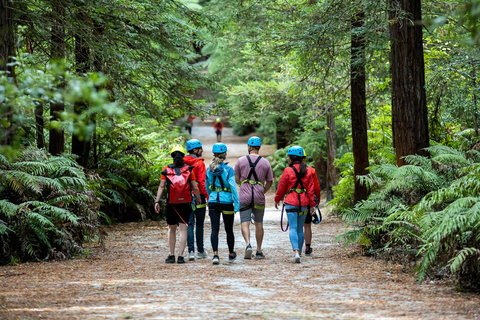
(189, 124)
(197, 218)
(180, 181)
(296, 188)
(307, 226)
(223, 200)
(218, 127)
(254, 175)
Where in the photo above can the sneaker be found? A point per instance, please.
(202, 255)
(191, 256)
(259, 255)
(170, 259)
(308, 251)
(248, 252)
(215, 260)
(180, 259)
(231, 257)
(297, 259)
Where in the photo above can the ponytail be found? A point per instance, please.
(178, 159)
(303, 166)
(217, 160)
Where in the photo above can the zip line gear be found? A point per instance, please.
(299, 182)
(281, 219)
(254, 141)
(252, 183)
(193, 144)
(178, 148)
(219, 148)
(295, 151)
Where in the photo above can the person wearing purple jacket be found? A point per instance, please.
(255, 176)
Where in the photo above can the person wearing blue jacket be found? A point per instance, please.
(223, 199)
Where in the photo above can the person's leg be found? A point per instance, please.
(200, 217)
(172, 235)
(259, 235)
(245, 220)
(215, 223)
(246, 232)
(183, 238)
(301, 235)
(190, 237)
(293, 234)
(308, 233)
(228, 220)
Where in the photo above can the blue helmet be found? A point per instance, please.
(193, 143)
(254, 141)
(295, 151)
(219, 148)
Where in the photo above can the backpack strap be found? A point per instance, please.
(252, 182)
(214, 187)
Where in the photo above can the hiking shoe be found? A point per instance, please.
(297, 259)
(191, 256)
(308, 251)
(170, 259)
(259, 255)
(202, 255)
(248, 252)
(180, 259)
(231, 257)
(215, 260)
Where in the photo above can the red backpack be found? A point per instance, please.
(178, 184)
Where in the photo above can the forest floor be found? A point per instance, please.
(129, 280)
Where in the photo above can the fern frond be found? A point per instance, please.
(33, 168)
(20, 181)
(69, 172)
(461, 258)
(7, 208)
(4, 163)
(72, 182)
(116, 197)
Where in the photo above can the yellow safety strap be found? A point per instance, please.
(204, 205)
(252, 182)
(228, 212)
(297, 190)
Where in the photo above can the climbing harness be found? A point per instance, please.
(281, 220)
(252, 183)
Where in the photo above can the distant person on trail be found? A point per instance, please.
(180, 181)
(195, 150)
(254, 175)
(189, 124)
(307, 226)
(218, 126)
(223, 199)
(296, 185)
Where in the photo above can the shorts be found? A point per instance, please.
(176, 210)
(309, 217)
(246, 215)
(218, 132)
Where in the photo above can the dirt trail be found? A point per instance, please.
(131, 281)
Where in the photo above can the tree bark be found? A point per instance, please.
(409, 106)
(332, 178)
(57, 135)
(39, 123)
(7, 51)
(81, 145)
(359, 107)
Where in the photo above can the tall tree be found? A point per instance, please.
(7, 51)
(409, 106)
(81, 144)
(358, 106)
(57, 134)
(332, 177)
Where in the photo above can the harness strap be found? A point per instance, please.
(252, 182)
(299, 182)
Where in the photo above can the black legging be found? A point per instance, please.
(228, 220)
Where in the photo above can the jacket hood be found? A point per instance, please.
(218, 172)
(190, 160)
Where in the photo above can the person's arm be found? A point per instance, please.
(268, 185)
(233, 188)
(282, 187)
(161, 187)
(193, 184)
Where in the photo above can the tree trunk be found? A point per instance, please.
(81, 145)
(475, 112)
(409, 106)
(39, 123)
(7, 51)
(359, 107)
(57, 135)
(332, 178)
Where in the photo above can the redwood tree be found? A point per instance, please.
(358, 106)
(409, 106)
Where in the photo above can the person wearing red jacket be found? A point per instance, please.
(195, 150)
(307, 226)
(218, 127)
(296, 185)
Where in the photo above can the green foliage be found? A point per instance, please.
(49, 207)
(430, 206)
